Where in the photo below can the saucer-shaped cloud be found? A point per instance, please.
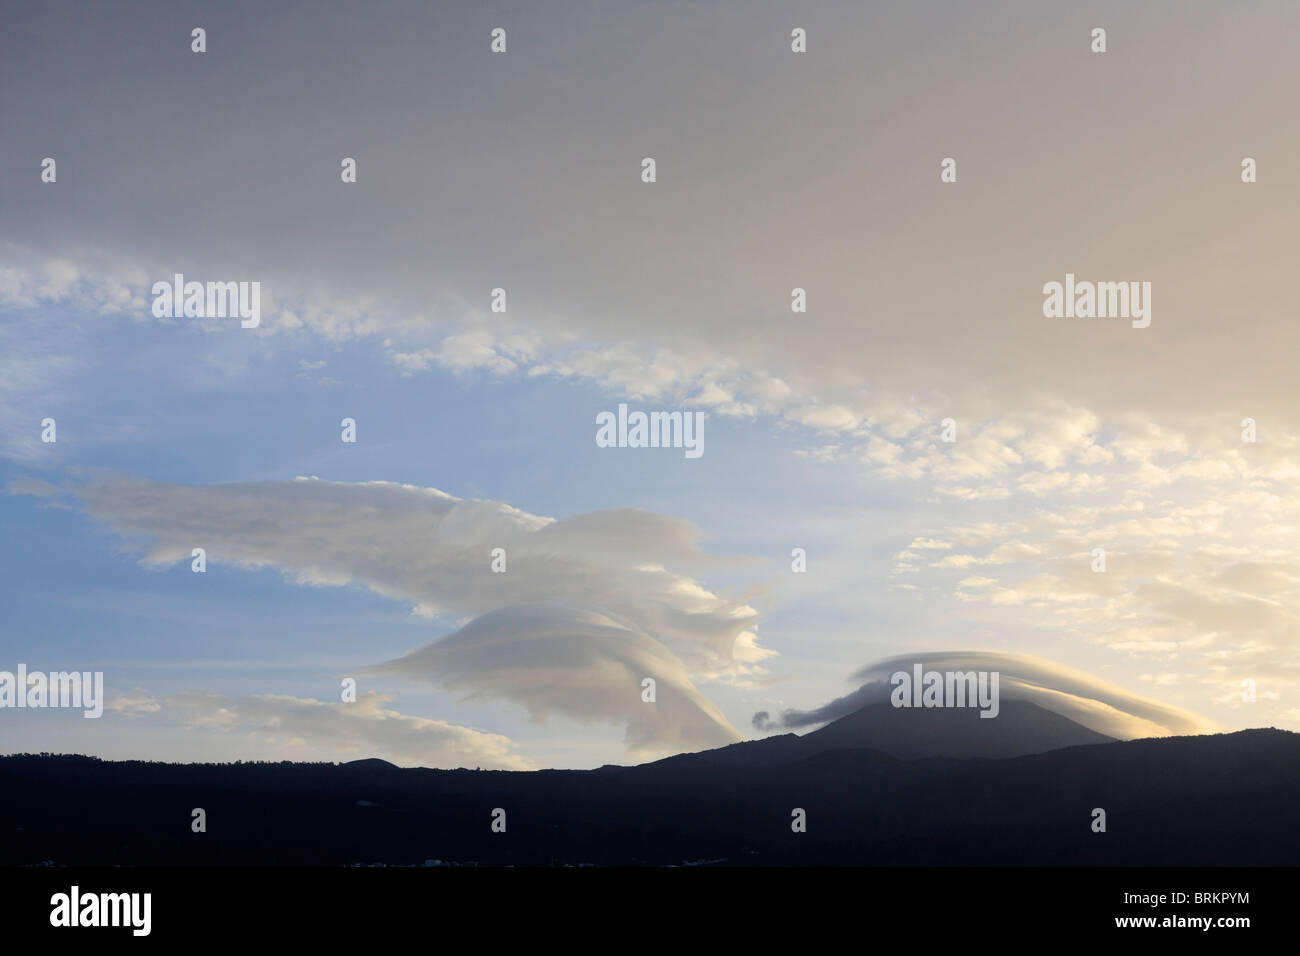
(434, 550)
(1095, 704)
(577, 662)
(587, 606)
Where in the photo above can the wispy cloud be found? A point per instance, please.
(306, 729)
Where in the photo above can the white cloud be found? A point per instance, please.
(1096, 704)
(580, 663)
(627, 614)
(303, 729)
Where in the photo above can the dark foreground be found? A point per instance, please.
(1227, 800)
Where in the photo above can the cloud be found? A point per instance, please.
(680, 291)
(1200, 580)
(594, 593)
(413, 269)
(302, 729)
(1095, 704)
(576, 662)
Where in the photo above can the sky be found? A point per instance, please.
(824, 430)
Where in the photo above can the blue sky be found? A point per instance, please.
(187, 406)
(824, 429)
(150, 402)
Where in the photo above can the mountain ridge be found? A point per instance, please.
(1020, 728)
(1220, 799)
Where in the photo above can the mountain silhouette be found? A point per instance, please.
(912, 733)
(1215, 800)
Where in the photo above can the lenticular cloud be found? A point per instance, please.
(578, 662)
(586, 609)
(1095, 704)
